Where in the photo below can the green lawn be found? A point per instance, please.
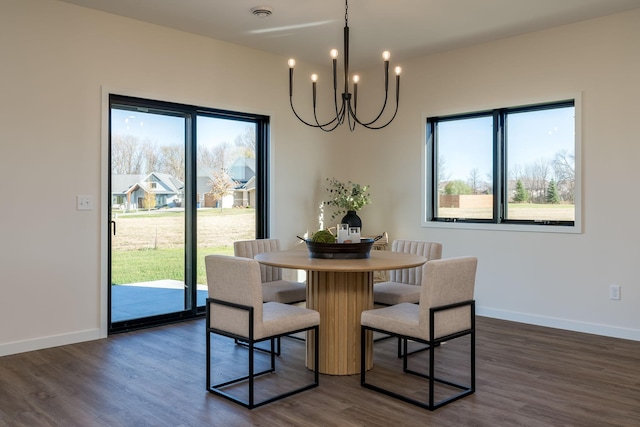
(158, 264)
(517, 211)
(149, 245)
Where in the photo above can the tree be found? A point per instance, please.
(565, 172)
(151, 155)
(441, 169)
(474, 181)
(205, 158)
(521, 195)
(552, 193)
(457, 187)
(221, 184)
(537, 173)
(126, 155)
(247, 142)
(149, 200)
(173, 160)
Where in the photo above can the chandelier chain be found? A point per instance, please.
(346, 13)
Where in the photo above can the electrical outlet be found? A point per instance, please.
(614, 292)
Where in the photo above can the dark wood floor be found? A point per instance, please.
(527, 376)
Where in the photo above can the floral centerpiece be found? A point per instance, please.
(349, 197)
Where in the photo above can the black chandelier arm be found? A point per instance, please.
(340, 112)
(325, 127)
(320, 126)
(386, 96)
(384, 106)
(368, 125)
(351, 122)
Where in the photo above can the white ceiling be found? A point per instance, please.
(308, 29)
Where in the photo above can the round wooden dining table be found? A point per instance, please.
(340, 290)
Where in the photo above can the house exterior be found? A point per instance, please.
(150, 191)
(159, 190)
(242, 172)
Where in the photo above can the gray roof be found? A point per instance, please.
(120, 184)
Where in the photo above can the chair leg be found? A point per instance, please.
(208, 359)
(251, 403)
(430, 404)
(251, 376)
(363, 355)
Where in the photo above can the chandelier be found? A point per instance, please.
(348, 106)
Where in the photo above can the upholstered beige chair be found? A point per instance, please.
(446, 311)
(235, 309)
(274, 288)
(404, 285)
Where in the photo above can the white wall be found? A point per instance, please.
(559, 280)
(58, 60)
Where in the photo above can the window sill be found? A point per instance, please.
(572, 229)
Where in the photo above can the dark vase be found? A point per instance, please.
(352, 219)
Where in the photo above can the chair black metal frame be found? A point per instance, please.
(241, 246)
(435, 248)
(250, 342)
(400, 343)
(432, 344)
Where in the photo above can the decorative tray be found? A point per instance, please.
(340, 250)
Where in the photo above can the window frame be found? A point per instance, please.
(500, 182)
(262, 206)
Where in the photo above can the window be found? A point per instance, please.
(504, 166)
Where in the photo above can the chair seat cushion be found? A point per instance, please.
(403, 319)
(391, 293)
(284, 291)
(280, 318)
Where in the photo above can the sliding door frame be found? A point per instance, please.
(261, 203)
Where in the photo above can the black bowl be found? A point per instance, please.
(340, 250)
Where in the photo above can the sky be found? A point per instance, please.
(464, 144)
(169, 130)
(467, 144)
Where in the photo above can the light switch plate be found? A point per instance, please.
(84, 203)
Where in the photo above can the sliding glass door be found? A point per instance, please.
(185, 182)
(147, 210)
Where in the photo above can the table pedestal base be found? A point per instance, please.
(340, 298)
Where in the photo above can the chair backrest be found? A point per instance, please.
(447, 281)
(251, 248)
(236, 280)
(413, 276)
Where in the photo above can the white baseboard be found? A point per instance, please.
(553, 322)
(47, 342)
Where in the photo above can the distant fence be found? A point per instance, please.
(466, 201)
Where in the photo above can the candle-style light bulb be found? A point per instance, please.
(356, 79)
(292, 63)
(398, 70)
(386, 55)
(334, 53)
(314, 79)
